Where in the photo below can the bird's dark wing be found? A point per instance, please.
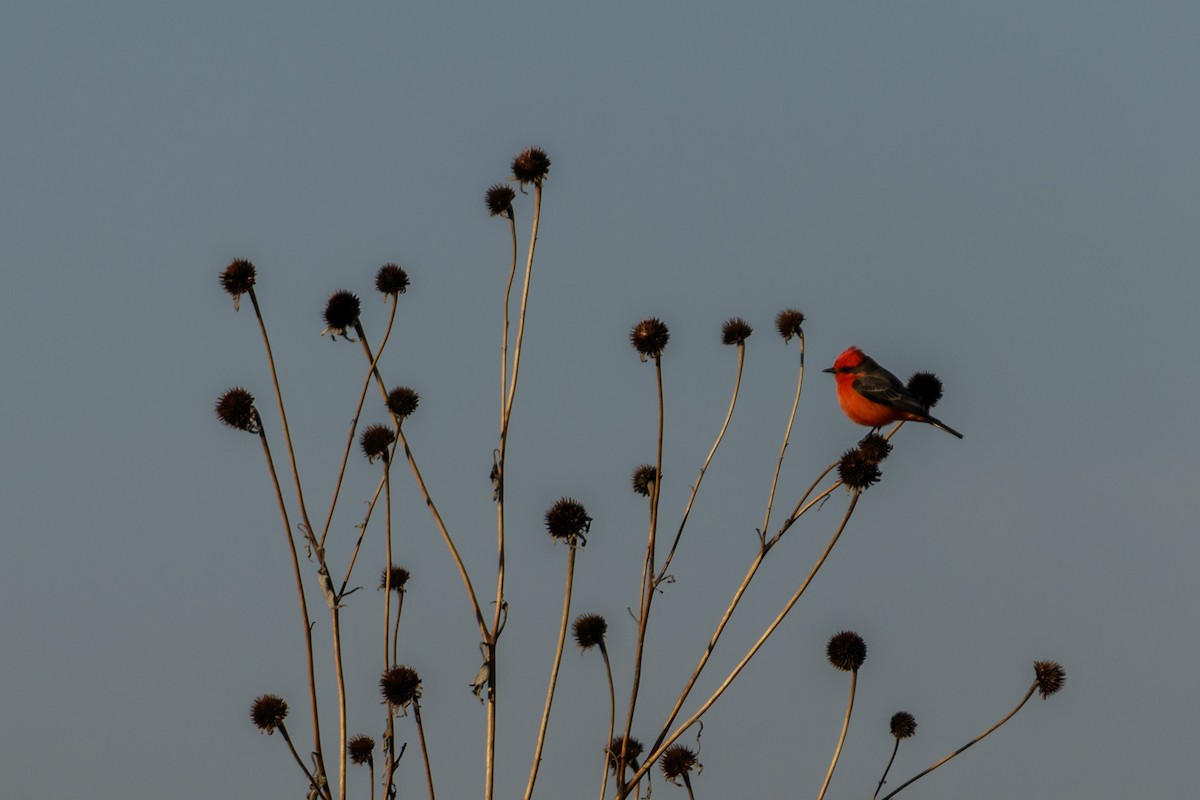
(887, 390)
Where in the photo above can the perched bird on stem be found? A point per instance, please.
(870, 395)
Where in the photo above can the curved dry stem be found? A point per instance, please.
(424, 747)
(978, 738)
(283, 732)
(737, 383)
(787, 435)
(612, 714)
(886, 770)
(562, 637)
(841, 739)
(340, 674)
(657, 752)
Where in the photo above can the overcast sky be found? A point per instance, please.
(1002, 193)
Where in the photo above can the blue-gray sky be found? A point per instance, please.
(1003, 193)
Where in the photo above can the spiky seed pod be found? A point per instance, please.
(644, 477)
(1050, 677)
(361, 749)
(400, 685)
(568, 519)
(268, 712)
(735, 331)
(677, 761)
(632, 751)
(499, 199)
(236, 409)
(531, 166)
(927, 387)
(858, 471)
(874, 447)
(788, 322)
(589, 630)
(903, 724)
(402, 401)
(391, 279)
(376, 440)
(847, 651)
(400, 577)
(237, 278)
(650, 337)
(341, 313)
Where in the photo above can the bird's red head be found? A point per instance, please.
(850, 358)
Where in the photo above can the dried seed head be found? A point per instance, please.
(847, 651)
(236, 409)
(632, 750)
(1050, 677)
(399, 576)
(361, 749)
(677, 761)
(644, 478)
(391, 279)
(874, 447)
(589, 631)
(788, 322)
(341, 314)
(735, 331)
(402, 401)
(857, 471)
(531, 166)
(650, 337)
(927, 387)
(376, 440)
(568, 519)
(499, 199)
(903, 724)
(237, 279)
(400, 685)
(268, 712)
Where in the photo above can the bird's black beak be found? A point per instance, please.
(830, 370)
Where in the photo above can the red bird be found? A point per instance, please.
(870, 395)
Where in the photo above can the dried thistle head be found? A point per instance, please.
(874, 447)
(789, 323)
(499, 198)
(399, 577)
(677, 762)
(341, 313)
(400, 685)
(361, 749)
(531, 165)
(402, 401)
(649, 337)
(237, 279)
(589, 630)
(633, 749)
(735, 331)
(391, 279)
(903, 725)
(644, 478)
(567, 519)
(847, 651)
(236, 409)
(1050, 677)
(857, 471)
(268, 712)
(927, 387)
(376, 440)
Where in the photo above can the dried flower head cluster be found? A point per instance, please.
(237, 279)
(846, 650)
(341, 314)
(376, 440)
(857, 470)
(400, 685)
(633, 749)
(567, 519)
(398, 578)
(499, 198)
(644, 478)
(927, 387)
(236, 409)
(677, 762)
(361, 748)
(903, 725)
(391, 279)
(789, 323)
(402, 401)
(531, 165)
(735, 331)
(649, 337)
(874, 447)
(589, 630)
(268, 712)
(1050, 677)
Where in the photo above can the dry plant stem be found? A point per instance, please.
(424, 748)
(283, 732)
(612, 713)
(656, 752)
(978, 738)
(737, 383)
(787, 435)
(687, 781)
(647, 587)
(371, 773)
(562, 637)
(886, 770)
(387, 569)
(842, 738)
(336, 630)
(390, 763)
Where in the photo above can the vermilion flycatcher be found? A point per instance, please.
(870, 395)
